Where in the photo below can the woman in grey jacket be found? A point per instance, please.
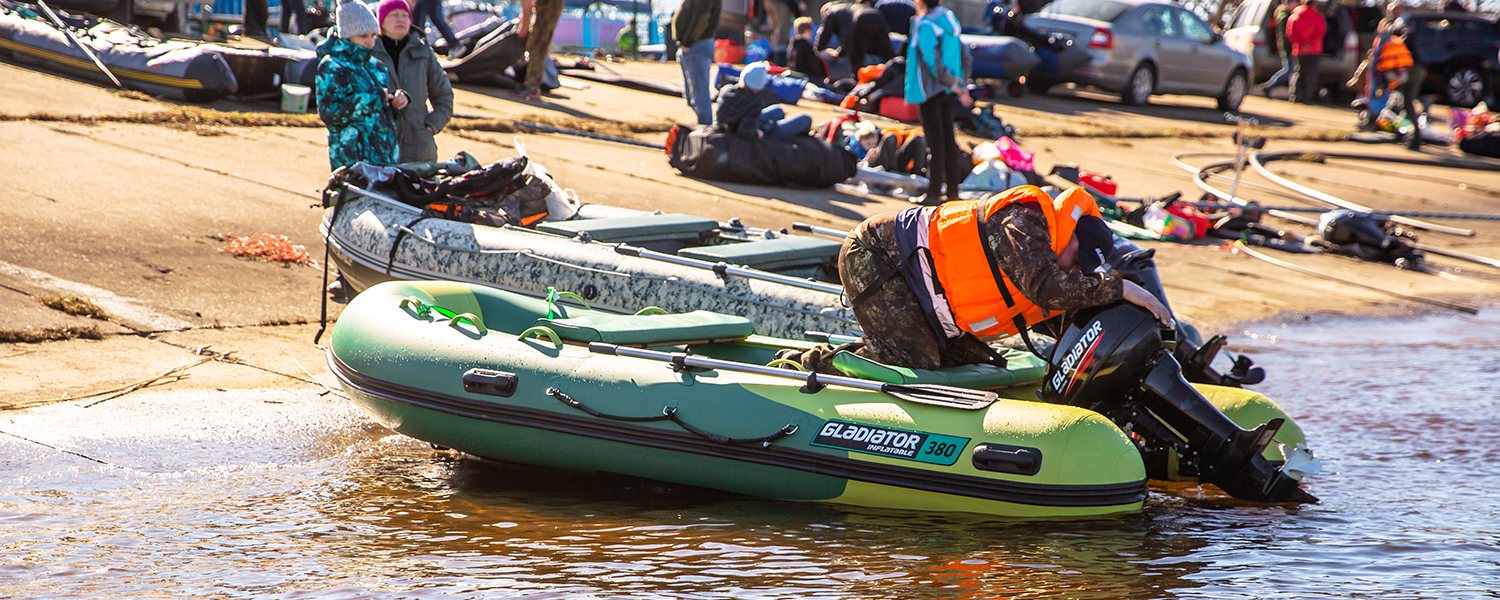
(414, 68)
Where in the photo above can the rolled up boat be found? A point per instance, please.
(181, 70)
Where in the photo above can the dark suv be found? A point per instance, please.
(1459, 52)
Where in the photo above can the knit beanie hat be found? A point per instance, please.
(355, 18)
(755, 76)
(386, 6)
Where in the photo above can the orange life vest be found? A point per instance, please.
(1393, 55)
(966, 268)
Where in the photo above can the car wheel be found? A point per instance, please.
(1464, 86)
(1038, 85)
(1234, 91)
(1138, 88)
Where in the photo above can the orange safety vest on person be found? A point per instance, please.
(966, 268)
(1393, 55)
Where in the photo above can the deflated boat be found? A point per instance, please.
(178, 69)
(695, 399)
(616, 259)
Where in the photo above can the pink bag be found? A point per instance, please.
(1013, 155)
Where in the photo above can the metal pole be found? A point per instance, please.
(86, 51)
(828, 231)
(725, 270)
(690, 360)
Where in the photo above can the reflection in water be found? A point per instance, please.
(282, 494)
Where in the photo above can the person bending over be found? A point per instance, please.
(861, 30)
(930, 286)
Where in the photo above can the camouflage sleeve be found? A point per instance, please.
(1022, 245)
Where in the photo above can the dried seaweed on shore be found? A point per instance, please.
(73, 305)
(50, 334)
(267, 246)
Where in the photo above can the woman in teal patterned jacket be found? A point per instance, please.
(354, 95)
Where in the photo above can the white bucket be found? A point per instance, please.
(294, 97)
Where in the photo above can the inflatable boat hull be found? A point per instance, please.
(374, 241)
(565, 407)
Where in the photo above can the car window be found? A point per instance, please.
(1159, 20)
(1248, 14)
(1099, 10)
(1194, 28)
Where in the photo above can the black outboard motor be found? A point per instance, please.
(1194, 354)
(1116, 360)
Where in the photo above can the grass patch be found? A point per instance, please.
(210, 122)
(207, 121)
(282, 322)
(599, 126)
(50, 334)
(133, 95)
(73, 305)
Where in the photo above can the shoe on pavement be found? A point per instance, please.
(527, 93)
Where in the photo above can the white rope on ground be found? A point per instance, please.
(1241, 247)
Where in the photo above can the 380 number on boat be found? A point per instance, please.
(919, 446)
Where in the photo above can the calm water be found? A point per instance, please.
(287, 495)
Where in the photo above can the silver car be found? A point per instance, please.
(1145, 47)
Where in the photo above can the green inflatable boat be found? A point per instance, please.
(688, 399)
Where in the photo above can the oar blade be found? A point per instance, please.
(941, 395)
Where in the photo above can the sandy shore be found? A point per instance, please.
(103, 201)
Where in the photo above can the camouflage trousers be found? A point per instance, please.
(896, 330)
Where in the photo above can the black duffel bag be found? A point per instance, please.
(716, 156)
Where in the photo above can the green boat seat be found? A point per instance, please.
(1021, 368)
(644, 228)
(779, 253)
(650, 330)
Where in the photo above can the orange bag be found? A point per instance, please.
(726, 51)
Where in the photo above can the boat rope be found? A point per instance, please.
(528, 253)
(1258, 160)
(1241, 247)
(1200, 174)
(401, 232)
(66, 451)
(339, 199)
(669, 413)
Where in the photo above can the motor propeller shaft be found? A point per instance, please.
(1226, 455)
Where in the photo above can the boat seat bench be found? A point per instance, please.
(650, 330)
(644, 228)
(767, 255)
(1021, 368)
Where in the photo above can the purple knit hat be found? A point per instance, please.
(386, 6)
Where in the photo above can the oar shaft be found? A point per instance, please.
(726, 270)
(828, 231)
(85, 49)
(689, 360)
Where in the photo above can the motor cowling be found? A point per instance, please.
(1103, 355)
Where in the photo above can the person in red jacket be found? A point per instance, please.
(1305, 31)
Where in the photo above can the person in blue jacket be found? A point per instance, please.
(934, 79)
(354, 95)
